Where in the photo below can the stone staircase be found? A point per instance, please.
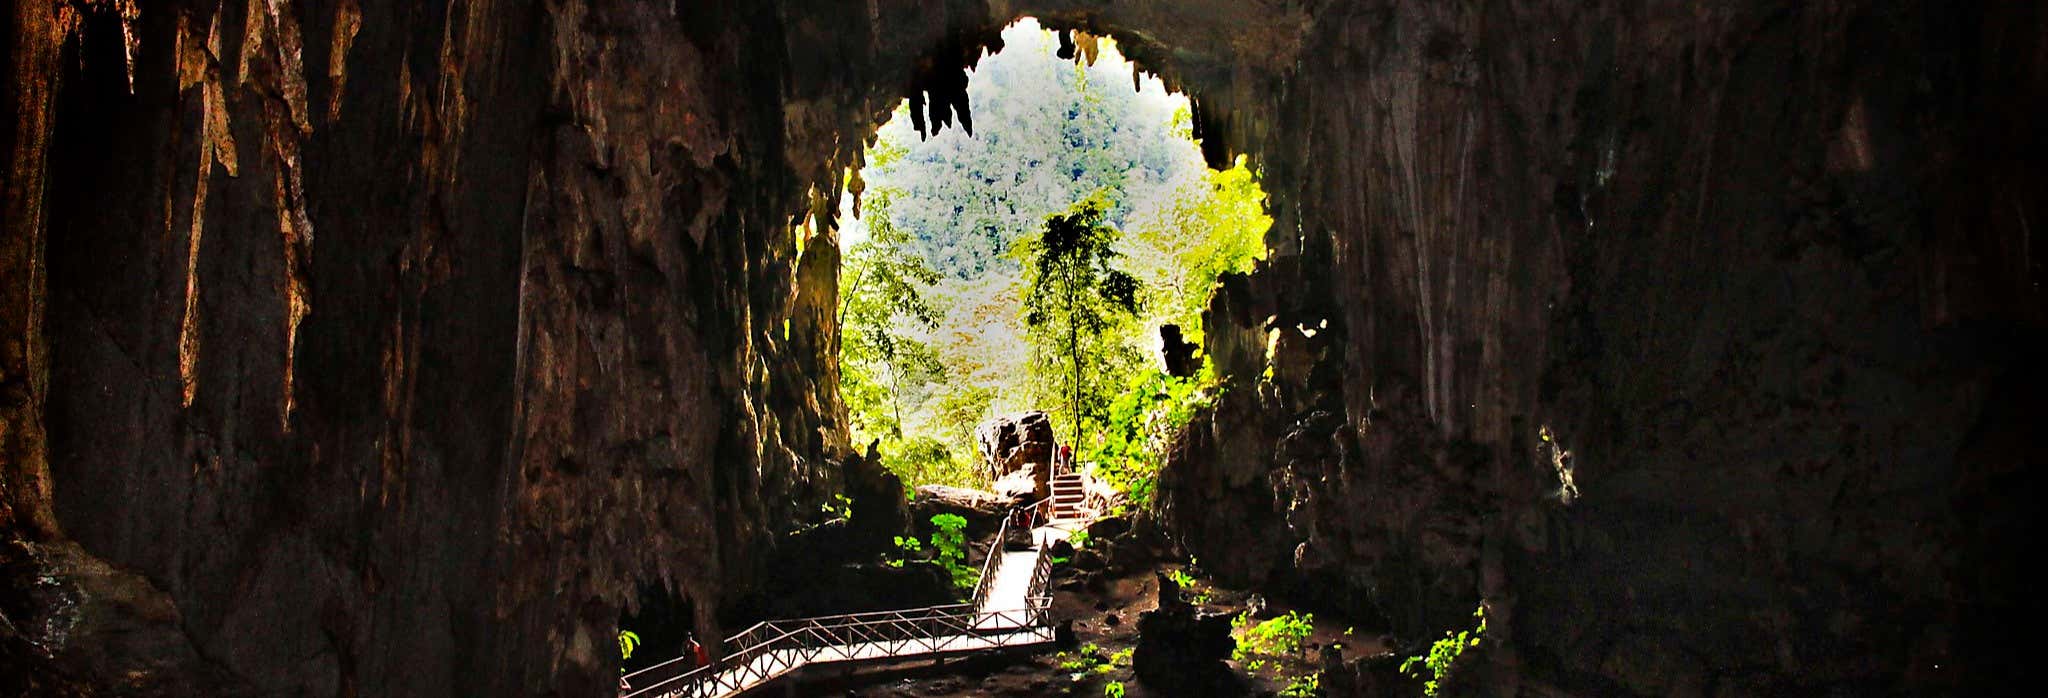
(1069, 498)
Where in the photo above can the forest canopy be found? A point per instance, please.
(937, 289)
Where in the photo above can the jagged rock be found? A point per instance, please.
(1108, 528)
(983, 510)
(1100, 496)
(59, 604)
(1063, 634)
(1020, 487)
(1176, 353)
(1181, 651)
(1017, 453)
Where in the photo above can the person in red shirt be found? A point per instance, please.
(698, 656)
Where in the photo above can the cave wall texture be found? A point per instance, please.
(386, 348)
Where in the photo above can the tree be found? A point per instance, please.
(1213, 224)
(1047, 132)
(881, 304)
(1077, 305)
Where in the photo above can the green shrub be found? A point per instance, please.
(1113, 689)
(1088, 658)
(1303, 687)
(907, 548)
(949, 548)
(1284, 635)
(839, 507)
(1444, 654)
(1079, 538)
(1150, 410)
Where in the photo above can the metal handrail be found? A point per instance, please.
(838, 638)
(992, 565)
(783, 645)
(993, 562)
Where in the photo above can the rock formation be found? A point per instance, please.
(355, 348)
(1181, 649)
(1676, 337)
(1017, 453)
(983, 510)
(1177, 354)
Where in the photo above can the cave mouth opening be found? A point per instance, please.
(935, 226)
(656, 629)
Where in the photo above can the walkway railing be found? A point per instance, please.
(993, 564)
(770, 649)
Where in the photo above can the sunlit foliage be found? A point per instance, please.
(1049, 134)
(1077, 303)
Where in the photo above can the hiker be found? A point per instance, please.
(698, 657)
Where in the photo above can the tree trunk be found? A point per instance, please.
(1074, 353)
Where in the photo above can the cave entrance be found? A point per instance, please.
(937, 278)
(656, 629)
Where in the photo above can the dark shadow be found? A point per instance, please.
(663, 621)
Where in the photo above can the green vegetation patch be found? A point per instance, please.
(1443, 654)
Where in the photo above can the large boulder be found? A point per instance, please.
(983, 509)
(1022, 487)
(1019, 443)
(1010, 442)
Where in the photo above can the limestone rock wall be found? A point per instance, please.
(1692, 339)
(393, 347)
